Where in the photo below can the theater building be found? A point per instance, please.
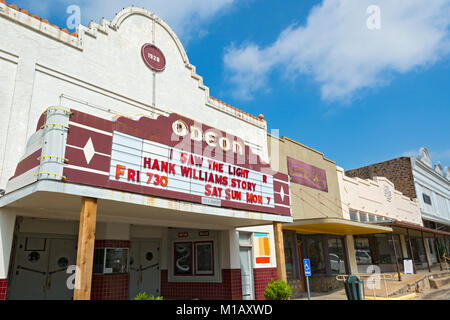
(320, 231)
(120, 174)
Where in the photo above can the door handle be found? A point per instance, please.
(31, 270)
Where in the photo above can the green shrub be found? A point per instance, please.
(277, 290)
(144, 296)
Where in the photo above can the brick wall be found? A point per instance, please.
(3, 287)
(229, 289)
(110, 287)
(262, 277)
(398, 171)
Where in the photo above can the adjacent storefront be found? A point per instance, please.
(319, 231)
(377, 202)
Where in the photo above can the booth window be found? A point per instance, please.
(110, 261)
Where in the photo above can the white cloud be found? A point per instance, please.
(186, 17)
(337, 49)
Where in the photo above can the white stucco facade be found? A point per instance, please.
(376, 199)
(100, 71)
(432, 185)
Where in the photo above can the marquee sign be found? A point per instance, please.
(172, 157)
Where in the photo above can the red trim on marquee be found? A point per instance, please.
(98, 162)
(79, 137)
(27, 164)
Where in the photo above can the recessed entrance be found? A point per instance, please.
(145, 268)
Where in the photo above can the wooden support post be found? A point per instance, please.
(279, 251)
(411, 250)
(438, 253)
(426, 252)
(396, 258)
(85, 254)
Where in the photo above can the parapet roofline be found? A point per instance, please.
(36, 23)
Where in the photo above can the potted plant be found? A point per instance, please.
(277, 290)
(144, 296)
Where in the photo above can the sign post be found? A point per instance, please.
(307, 268)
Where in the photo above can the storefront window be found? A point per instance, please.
(378, 249)
(386, 249)
(420, 259)
(289, 255)
(362, 251)
(316, 256)
(336, 254)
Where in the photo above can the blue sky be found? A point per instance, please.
(314, 68)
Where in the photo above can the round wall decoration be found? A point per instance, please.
(153, 57)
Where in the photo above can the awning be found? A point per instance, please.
(335, 226)
(404, 225)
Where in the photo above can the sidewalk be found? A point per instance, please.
(410, 287)
(336, 295)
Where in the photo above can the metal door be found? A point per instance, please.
(144, 268)
(30, 269)
(62, 255)
(246, 273)
(40, 267)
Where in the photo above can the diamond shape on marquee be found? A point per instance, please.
(89, 151)
(282, 193)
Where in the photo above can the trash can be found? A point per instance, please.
(353, 288)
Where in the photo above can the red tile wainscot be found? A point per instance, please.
(262, 278)
(3, 287)
(229, 289)
(110, 287)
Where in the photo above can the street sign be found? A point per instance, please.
(307, 267)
